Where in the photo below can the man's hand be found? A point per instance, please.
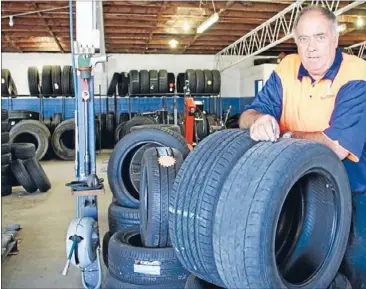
(265, 128)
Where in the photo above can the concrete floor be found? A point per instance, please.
(44, 218)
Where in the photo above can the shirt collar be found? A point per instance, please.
(331, 73)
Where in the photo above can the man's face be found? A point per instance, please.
(316, 43)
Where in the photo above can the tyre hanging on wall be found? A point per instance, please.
(56, 80)
(63, 140)
(134, 77)
(33, 81)
(163, 81)
(66, 80)
(154, 81)
(144, 81)
(208, 81)
(200, 81)
(112, 88)
(191, 77)
(216, 81)
(123, 84)
(46, 80)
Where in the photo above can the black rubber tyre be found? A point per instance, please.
(163, 81)
(195, 192)
(155, 187)
(112, 88)
(23, 151)
(37, 174)
(112, 282)
(216, 81)
(134, 264)
(5, 159)
(4, 114)
(4, 126)
(109, 130)
(4, 137)
(202, 128)
(191, 77)
(72, 89)
(194, 282)
(118, 132)
(20, 114)
(47, 80)
(154, 81)
(57, 119)
(180, 82)
(39, 133)
(208, 80)
(120, 217)
(251, 202)
(105, 245)
(123, 84)
(172, 127)
(8, 87)
(134, 78)
(5, 148)
(171, 82)
(144, 81)
(6, 188)
(124, 116)
(33, 81)
(66, 80)
(340, 282)
(120, 160)
(56, 80)
(59, 140)
(200, 81)
(22, 176)
(135, 121)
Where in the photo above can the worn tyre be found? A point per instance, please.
(131, 263)
(120, 217)
(4, 126)
(23, 151)
(172, 127)
(5, 148)
(22, 176)
(180, 82)
(134, 78)
(33, 81)
(46, 80)
(105, 245)
(112, 88)
(123, 84)
(56, 80)
(4, 114)
(120, 160)
(340, 282)
(37, 174)
(154, 81)
(163, 81)
(196, 192)
(144, 81)
(66, 80)
(33, 131)
(6, 159)
(4, 137)
(63, 140)
(155, 187)
(251, 202)
(194, 282)
(20, 114)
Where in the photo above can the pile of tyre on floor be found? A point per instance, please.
(261, 215)
(137, 249)
(53, 81)
(19, 166)
(154, 82)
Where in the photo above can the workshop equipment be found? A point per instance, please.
(9, 243)
(189, 114)
(82, 239)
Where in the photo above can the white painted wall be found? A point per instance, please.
(236, 81)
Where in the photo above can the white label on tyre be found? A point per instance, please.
(2, 80)
(147, 267)
(56, 86)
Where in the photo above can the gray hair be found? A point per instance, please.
(324, 11)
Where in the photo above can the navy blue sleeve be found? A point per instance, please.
(348, 121)
(269, 99)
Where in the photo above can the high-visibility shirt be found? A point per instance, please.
(334, 105)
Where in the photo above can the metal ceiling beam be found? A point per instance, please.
(271, 33)
(361, 51)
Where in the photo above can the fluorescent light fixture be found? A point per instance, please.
(11, 21)
(173, 43)
(186, 26)
(213, 18)
(359, 21)
(341, 27)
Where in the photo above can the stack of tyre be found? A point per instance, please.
(247, 214)
(5, 155)
(137, 249)
(53, 81)
(26, 169)
(200, 81)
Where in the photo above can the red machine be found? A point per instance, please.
(189, 114)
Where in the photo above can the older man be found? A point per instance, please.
(318, 94)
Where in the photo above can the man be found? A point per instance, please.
(318, 95)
